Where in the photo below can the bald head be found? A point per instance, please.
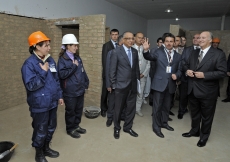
(205, 39)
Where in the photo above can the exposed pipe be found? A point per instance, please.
(222, 22)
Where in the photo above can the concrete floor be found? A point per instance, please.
(99, 145)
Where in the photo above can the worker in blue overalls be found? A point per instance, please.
(42, 85)
(74, 82)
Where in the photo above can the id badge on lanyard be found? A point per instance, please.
(168, 69)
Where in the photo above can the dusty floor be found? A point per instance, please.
(99, 145)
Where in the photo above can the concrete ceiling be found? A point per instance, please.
(154, 9)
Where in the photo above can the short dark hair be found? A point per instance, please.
(183, 37)
(158, 39)
(167, 35)
(114, 30)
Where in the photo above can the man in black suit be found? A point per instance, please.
(164, 80)
(183, 99)
(204, 69)
(124, 73)
(228, 87)
(114, 33)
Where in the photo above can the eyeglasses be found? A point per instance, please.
(129, 38)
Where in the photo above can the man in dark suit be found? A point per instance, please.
(124, 73)
(228, 87)
(204, 69)
(164, 80)
(111, 101)
(152, 68)
(183, 99)
(114, 33)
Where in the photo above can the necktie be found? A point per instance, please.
(129, 56)
(116, 44)
(200, 57)
(169, 55)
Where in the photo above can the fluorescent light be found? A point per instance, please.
(168, 10)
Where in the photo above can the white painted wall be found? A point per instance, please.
(156, 28)
(116, 17)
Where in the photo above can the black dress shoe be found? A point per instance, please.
(108, 123)
(116, 134)
(190, 135)
(168, 128)
(171, 113)
(226, 99)
(80, 130)
(169, 119)
(159, 134)
(180, 116)
(74, 134)
(150, 103)
(131, 132)
(103, 113)
(201, 143)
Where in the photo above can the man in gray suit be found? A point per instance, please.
(164, 81)
(124, 73)
(144, 66)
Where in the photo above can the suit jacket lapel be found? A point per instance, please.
(207, 56)
(111, 44)
(123, 52)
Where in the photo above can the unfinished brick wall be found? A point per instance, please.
(92, 37)
(13, 52)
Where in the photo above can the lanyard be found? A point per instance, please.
(169, 61)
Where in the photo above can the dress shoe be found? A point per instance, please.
(226, 99)
(159, 134)
(180, 116)
(108, 123)
(190, 135)
(131, 132)
(201, 143)
(168, 128)
(171, 113)
(169, 119)
(139, 113)
(103, 113)
(74, 134)
(150, 103)
(116, 134)
(80, 130)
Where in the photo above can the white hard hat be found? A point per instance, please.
(69, 39)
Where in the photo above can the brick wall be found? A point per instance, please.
(14, 50)
(92, 37)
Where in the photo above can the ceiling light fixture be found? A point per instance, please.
(168, 10)
(177, 19)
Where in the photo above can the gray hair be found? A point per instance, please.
(120, 38)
